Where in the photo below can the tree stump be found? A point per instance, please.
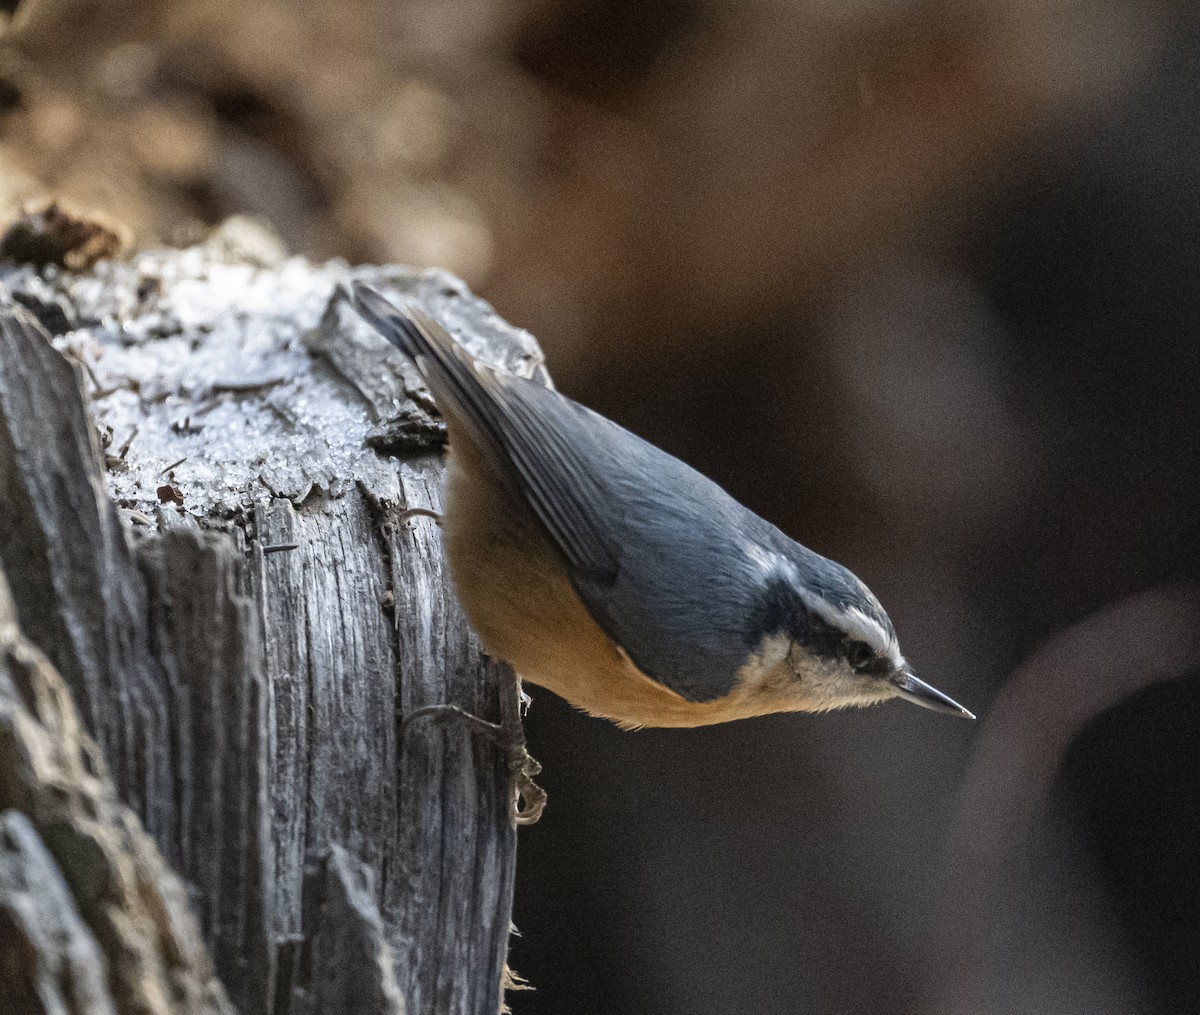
(207, 465)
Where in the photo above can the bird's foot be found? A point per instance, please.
(527, 799)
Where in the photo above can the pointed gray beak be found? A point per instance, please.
(912, 688)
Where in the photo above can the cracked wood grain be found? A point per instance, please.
(91, 919)
(247, 697)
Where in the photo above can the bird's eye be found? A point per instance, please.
(859, 656)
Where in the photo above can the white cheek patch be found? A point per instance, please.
(763, 664)
(773, 650)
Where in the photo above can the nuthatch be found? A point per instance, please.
(616, 576)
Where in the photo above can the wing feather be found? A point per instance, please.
(667, 563)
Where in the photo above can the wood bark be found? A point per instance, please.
(205, 464)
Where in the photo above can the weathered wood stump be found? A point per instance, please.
(210, 546)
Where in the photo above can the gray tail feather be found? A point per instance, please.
(443, 362)
(446, 366)
(522, 443)
(391, 321)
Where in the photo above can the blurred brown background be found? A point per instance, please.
(917, 281)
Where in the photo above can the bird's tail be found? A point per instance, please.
(514, 425)
(452, 373)
(415, 334)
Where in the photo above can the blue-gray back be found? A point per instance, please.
(693, 578)
(677, 573)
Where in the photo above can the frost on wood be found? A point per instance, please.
(212, 554)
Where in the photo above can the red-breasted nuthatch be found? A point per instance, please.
(616, 576)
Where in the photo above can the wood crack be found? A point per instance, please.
(248, 702)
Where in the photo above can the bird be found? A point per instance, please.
(613, 574)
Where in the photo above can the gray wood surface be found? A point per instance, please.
(209, 547)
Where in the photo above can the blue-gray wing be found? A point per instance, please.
(672, 569)
(698, 576)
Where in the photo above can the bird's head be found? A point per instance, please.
(828, 635)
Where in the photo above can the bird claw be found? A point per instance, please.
(527, 799)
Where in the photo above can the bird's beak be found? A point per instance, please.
(913, 688)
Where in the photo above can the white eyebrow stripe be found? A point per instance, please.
(863, 628)
(857, 625)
